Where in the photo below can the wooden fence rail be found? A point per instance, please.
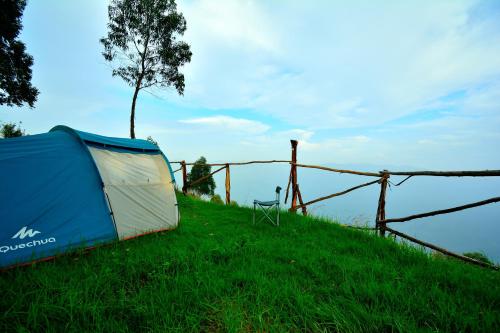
(483, 173)
(441, 250)
(382, 178)
(334, 195)
(236, 163)
(359, 173)
(442, 211)
(199, 180)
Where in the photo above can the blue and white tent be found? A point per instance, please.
(68, 189)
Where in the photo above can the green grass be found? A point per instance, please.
(219, 273)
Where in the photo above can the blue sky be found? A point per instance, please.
(390, 83)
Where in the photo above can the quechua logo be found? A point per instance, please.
(22, 234)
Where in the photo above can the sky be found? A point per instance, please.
(414, 84)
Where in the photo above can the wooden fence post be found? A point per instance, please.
(304, 208)
(184, 177)
(228, 185)
(294, 173)
(381, 204)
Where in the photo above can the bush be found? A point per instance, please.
(153, 141)
(478, 256)
(199, 170)
(11, 130)
(195, 195)
(216, 199)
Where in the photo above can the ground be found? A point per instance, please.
(219, 273)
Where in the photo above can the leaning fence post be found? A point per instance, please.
(228, 185)
(304, 208)
(293, 173)
(379, 224)
(184, 177)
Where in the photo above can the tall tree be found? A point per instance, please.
(144, 47)
(201, 169)
(15, 63)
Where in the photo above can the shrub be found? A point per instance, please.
(199, 170)
(153, 141)
(216, 199)
(478, 256)
(11, 130)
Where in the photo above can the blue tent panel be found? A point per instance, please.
(51, 198)
(139, 144)
(136, 144)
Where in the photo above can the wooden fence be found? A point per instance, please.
(382, 178)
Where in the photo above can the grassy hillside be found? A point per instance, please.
(217, 272)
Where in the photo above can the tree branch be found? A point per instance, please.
(153, 84)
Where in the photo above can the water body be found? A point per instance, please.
(475, 229)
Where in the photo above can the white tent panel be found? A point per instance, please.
(139, 189)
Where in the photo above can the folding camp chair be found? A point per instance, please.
(267, 209)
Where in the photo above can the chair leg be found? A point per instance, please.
(278, 214)
(267, 213)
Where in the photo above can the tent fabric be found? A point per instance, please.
(110, 142)
(139, 144)
(51, 199)
(141, 193)
(67, 189)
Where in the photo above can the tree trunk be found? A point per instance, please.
(137, 88)
(132, 114)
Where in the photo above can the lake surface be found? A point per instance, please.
(476, 229)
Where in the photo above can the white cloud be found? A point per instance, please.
(336, 64)
(228, 123)
(235, 23)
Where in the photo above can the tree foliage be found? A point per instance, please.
(11, 130)
(144, 47)
(479, 256)
(216, 199)
(15, 63)
(201, 169)
(153, 141)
